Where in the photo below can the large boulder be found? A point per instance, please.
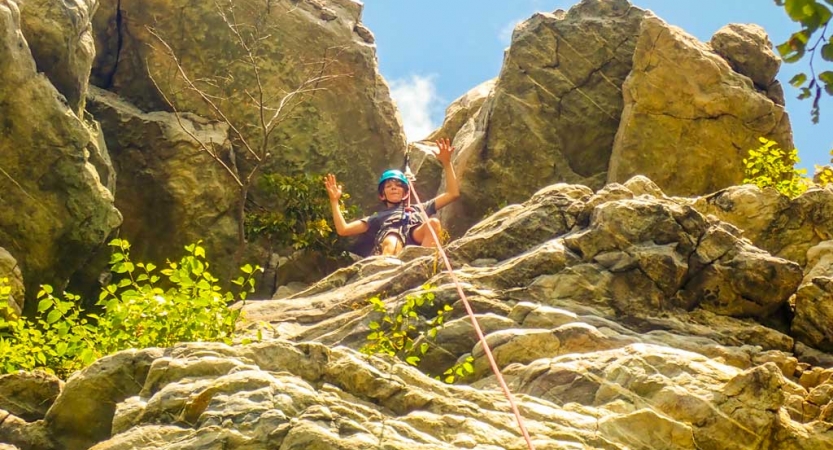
(554, 110)
(347, 125)
(83, 413)
(60, 35)
(171, 191)
(747, 48)
(702, 122)
(55, 211)
(28, 395)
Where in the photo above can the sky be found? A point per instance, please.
(433, 51)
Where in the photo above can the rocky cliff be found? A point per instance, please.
(621, 319)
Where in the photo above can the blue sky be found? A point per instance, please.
(433, 51)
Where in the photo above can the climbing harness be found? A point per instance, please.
(469, 310)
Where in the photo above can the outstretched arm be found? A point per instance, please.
(452, 190)
(342, 227)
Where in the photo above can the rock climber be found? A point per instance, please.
(399, 223)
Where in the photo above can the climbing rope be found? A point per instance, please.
(469, 310)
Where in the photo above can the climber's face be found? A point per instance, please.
(394, 191)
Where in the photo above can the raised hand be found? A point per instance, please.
(445, 150)
(334, 190)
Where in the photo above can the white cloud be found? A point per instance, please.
(505, 33)
(418, 103)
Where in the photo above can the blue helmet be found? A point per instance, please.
(393, 174)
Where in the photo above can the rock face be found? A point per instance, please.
(577, 101)
(170, 191)
(554, 109)
(60, 36)
(701, 123)
(576, 291)
(28, 395)
(783, 227)
(349, 126)
(60, 211)
(814, 299)
(428, 171)
(619, 319)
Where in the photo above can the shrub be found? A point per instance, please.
(396, 335)
(300, 217)
(142, 308)
(769, 166)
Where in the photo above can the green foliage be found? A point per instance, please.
(397, 334)
(300, 215)
(143, 307)
(769, 166)
(824, 174)
(814, 17)
(59, 340)
(458, 371)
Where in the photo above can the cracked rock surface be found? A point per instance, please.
(621, 319)
(688, 112)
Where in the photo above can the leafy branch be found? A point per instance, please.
(397, 334)
(814, 17)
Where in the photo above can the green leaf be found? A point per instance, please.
(44, 304)
(53, 316)
(412, 360)
(827, 52)
(827, 78)
(798, 80)
(373, 325)
(423, 348)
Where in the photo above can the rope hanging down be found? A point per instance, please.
(469, 310)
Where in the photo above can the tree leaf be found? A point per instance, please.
(798, 80)
(53, 316)
(44, 304)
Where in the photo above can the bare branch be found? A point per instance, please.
(199, 91)
(211, 152)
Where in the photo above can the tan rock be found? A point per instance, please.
(747, 48)
(350, 128)
(554, 110)
(28, 395)
(55, 211)
(813, 322)
(83, 413)
(701, 123)
(171, 192)
(428, 171)
(17, 434)
(786, 228)
(60, 35)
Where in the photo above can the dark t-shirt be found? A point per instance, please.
(393, 218)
